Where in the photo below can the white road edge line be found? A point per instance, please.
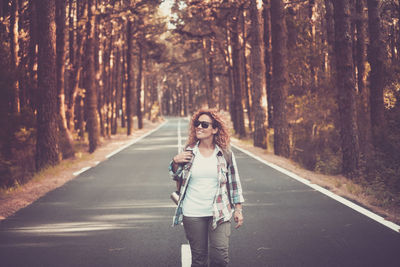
(326, 192)
(135, 140)
(186, 255)
(81, 171)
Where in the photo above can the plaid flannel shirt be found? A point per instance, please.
(229, 190)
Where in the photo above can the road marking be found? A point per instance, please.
(326, 192)
(186, 255)
(135, 140)
(81, 171)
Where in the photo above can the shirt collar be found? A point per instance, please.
(195, 149)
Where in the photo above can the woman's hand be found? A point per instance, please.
(183, 157)
(238, 217)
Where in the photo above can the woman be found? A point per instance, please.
(210, 189)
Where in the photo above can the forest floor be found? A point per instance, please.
(14, 199)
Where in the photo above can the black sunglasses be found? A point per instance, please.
(204, 124)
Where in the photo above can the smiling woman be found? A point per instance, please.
(210, 189)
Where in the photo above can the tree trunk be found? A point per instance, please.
(346, 88)
(246, 84)
(257, 79)
(376, 59)
(128, 93)
(330, 34)
(313, 50)
(139, 87)
(364, 120)
(267, 59)
(361, 46)
(66, 140)
(280, 78)
(14, 47)
(76, 55)
(237, 78)
(32, 55)
(91, 92)
(47, 152)
(211, 103)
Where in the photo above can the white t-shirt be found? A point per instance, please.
(202, 187)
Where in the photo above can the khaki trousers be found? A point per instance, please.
(207, 243)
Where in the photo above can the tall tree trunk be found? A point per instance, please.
(47, 152)
(14, 46)
(32, 55)
(376, 59)
(361, 45)
(65, 137)
(139, 87)
(364, 120)
(313, 50)
(267, 59)
(211, 103)
(346, 88)
(280, 78)
(237, 78)
(116, 92)
(208, 70)
(257, 79)
(91, 92)
(330, 34)
(128, 94)
(246, 84)
(76, 55)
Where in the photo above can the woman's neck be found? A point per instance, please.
(207, 144)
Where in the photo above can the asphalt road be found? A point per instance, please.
(119, 214)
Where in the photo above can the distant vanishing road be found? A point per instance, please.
(119, 214)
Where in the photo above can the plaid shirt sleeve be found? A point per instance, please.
(235, 186)
(177, 175)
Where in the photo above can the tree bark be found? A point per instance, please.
(128, 93)
(139, 87)
(91, 92)
(267, 60)
(32, 55)
(280, 78)
(47, 151)
(14, 47)
(376, 59)
(257, 79)
(237, 78)
(76, 55)
(361, 45)
(245, 78)
(66, 140)
(330, 34)
(346, 88)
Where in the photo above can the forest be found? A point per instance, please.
(315, 81)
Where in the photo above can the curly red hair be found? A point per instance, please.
(221, 138)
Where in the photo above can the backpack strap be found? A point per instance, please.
(228, 157)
